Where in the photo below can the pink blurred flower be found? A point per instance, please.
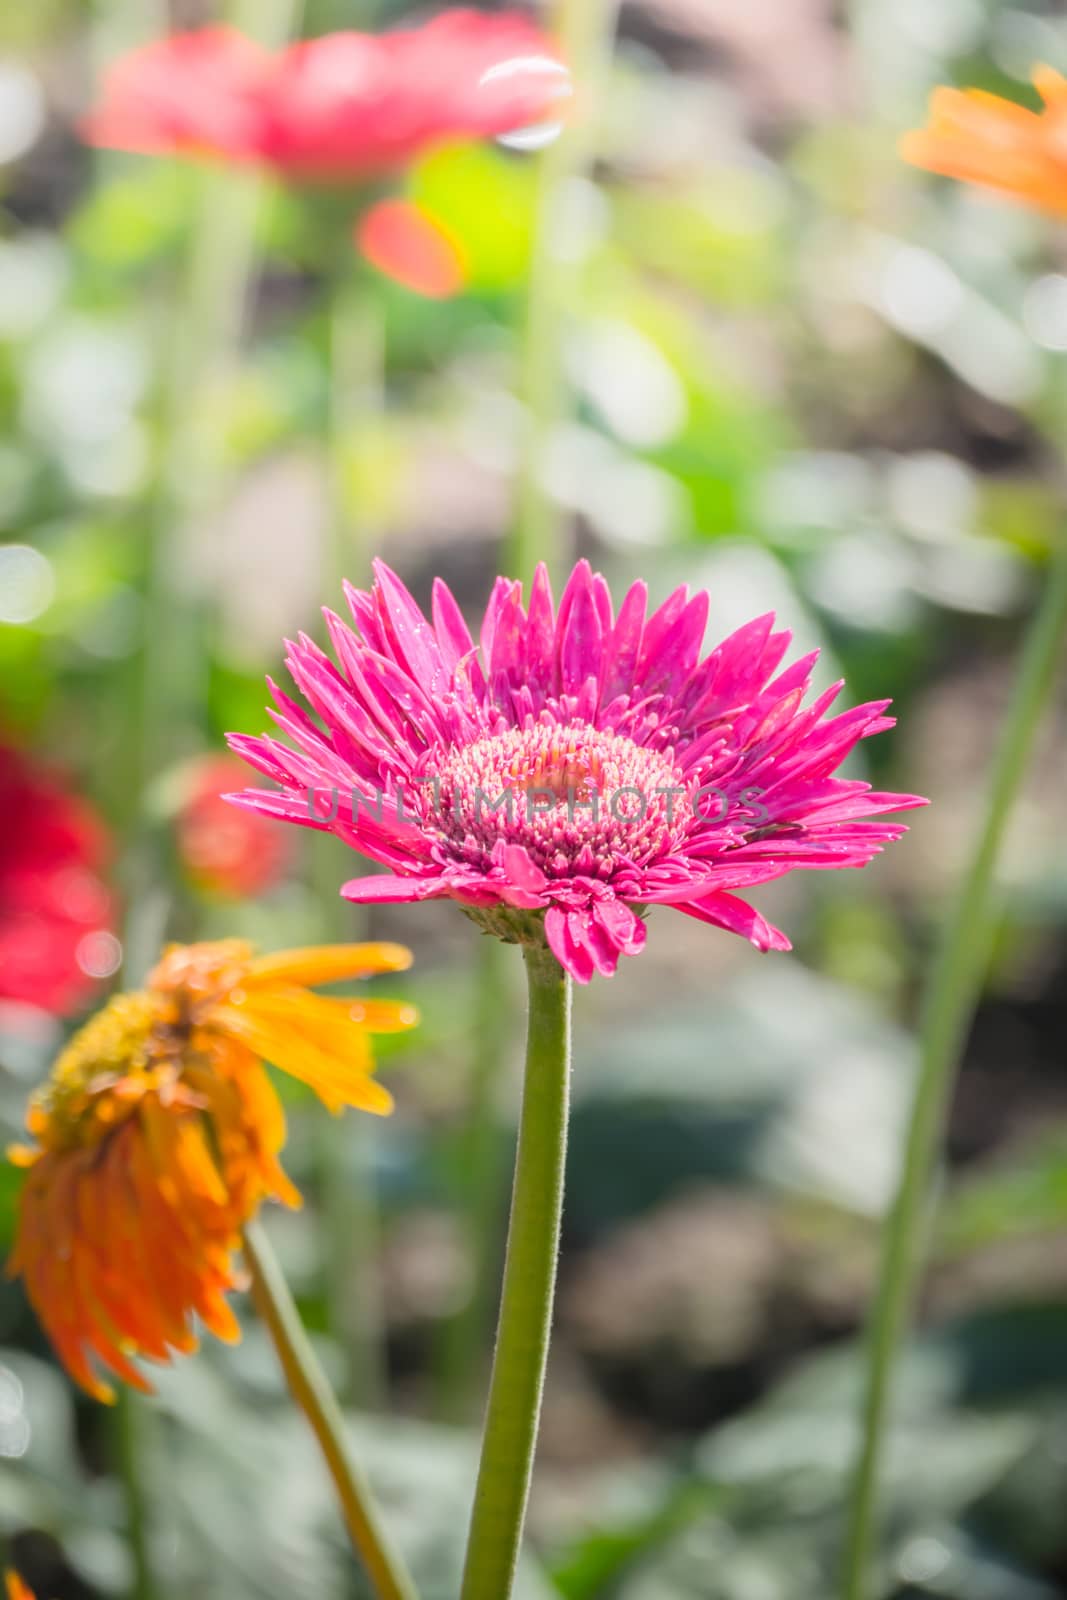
(341, 106)
(227, 852)
(640, 773)
(55, 909)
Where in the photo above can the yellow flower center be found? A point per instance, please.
(107, 1067)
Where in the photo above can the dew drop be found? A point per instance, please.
(558, 88)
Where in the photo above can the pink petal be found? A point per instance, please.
(623, 927)
(622, 648)
(541, 635)
(413, 644)
(578, 633)
(385, 888)
(737, 916)
(523, 872)
(594, 940)
(568, 951)
(453, 635)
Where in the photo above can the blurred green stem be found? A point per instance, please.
(585, 31)
(353, 1240)
(356, 381)
(310, 1389)
(166, 699)
(954, 991)
(514, 1407)
(129, 1415)
(203, 331)
(463, 1338)
(346, 1148)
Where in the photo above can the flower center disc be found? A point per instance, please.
(578, 799)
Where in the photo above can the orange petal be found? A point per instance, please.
(375, 1016)
(339, 1078)
(327, 963)
(181, 1155)
(981, 138)
(1050, 84)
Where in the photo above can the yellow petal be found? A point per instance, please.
(327, 963)
(339, 1076)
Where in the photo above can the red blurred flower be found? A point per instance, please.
(226, 852)
(55, 909)
(410, 246)
(340, 106)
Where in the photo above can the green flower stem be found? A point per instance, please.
(352, 1228)
(310, 1389)
(514, 1406)
(954, 991)
(129, 1415)
(585, 30)
(346, 1148)
(164, 698)
(202, 332)
(356, 400)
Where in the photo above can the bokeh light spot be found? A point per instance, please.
(99, 954)
(22, 110)
(27, 583)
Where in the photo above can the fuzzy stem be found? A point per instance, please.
(953, 995)
(515, 1389)
(311, 1391)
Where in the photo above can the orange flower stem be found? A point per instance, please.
(514, 1408)
(953, 994)
(310, 1389)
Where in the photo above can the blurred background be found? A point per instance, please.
(800, 375)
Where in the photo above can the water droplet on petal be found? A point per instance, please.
(526, 72)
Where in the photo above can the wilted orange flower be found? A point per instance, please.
(16, 1589)
(157, 1137)
(984, 139)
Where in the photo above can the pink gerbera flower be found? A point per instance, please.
(336, 108)
(572, 768)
